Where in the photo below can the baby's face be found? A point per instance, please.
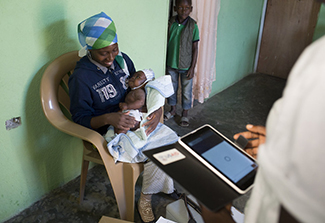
(137, 79)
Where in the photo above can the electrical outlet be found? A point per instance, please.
(13, 123)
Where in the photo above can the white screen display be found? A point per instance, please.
(229, 161)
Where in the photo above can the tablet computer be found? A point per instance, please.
(223, 157)
(199, 162)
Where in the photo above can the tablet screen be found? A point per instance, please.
(234, 164)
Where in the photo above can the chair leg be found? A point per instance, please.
(131, 174)
(83, 178)
(123, 182)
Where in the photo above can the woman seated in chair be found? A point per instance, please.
(98, 85)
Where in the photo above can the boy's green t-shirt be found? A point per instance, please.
(174, 41)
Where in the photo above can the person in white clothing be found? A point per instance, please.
(290, 183)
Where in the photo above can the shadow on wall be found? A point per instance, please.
(56, 157)
(56, 40)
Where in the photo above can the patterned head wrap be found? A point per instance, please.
(96, 32)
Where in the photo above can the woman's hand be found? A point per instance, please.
(122, 121)
(119, 120)
(256, 135)
(153, 120)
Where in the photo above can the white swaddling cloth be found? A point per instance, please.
(156, 93)
(128, 147)
(135, 113)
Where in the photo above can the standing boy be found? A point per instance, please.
(182, 51)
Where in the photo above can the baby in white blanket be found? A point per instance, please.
(135, 100)
(128, 147)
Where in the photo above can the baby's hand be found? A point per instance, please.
(123, 106)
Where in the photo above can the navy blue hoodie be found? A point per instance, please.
(93, 93)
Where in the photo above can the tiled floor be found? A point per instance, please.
(247, 101)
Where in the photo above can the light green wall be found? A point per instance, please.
(35, 157)
(238, 27)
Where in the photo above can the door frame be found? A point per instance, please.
(257, 54)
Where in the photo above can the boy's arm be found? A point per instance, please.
(195, 47)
